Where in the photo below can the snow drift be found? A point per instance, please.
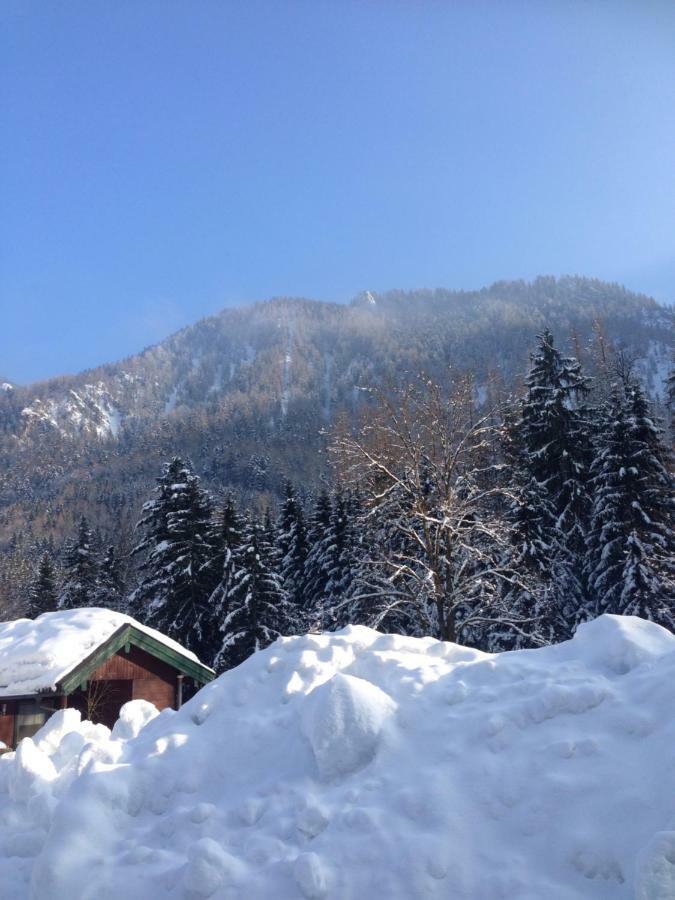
(344, 765)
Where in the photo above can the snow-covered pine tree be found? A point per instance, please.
(539, 560)
(43, 595)
(554, 430)
(176, 572)
(341, 555)
(228, 536)
(631, 557)
(553, 434)
(335, 550)
(543, 590)
(257, 607)
(317, 563)
(80, 581)
(291, 543)
(110, 589)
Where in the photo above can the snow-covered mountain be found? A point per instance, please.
(353, 764)
(89, 412)
(246, 393)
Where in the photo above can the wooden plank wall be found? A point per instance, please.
(153, 679)
(7, 723)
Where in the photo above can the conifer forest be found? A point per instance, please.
(496, 516)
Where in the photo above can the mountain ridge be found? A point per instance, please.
(247, 392)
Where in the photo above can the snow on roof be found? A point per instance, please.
(35, 654)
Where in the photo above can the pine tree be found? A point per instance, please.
(538, 592)
(341, 556)
(43, 595)
(110, 587)
(632, 542)
(228, 538)
(332, 561)
(257, 607)
(317, 566)
(177, 570)
(81, 567)
(291, 542)
(555, 432)
(551, 437)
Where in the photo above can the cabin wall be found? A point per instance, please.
(7, 722)
(151, 678)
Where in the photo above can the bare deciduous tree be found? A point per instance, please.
(97, 696)
(424, 461)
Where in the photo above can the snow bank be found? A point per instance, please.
(343, 765)
(35, 654)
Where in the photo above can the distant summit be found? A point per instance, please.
(365, 298)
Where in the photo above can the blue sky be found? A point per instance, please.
(163, 159)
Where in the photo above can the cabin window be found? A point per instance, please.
(30, 717)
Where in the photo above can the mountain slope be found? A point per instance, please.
(246, 393)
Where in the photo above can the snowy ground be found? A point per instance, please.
(355, 764)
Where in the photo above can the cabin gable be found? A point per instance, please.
(125, 638)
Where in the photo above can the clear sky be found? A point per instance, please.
(161, 159)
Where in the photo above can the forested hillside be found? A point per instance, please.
(250, 395)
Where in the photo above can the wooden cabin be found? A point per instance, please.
(94, 660)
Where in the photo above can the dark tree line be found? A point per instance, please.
(502, 526)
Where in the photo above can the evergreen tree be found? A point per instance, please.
(317, 564)
(81, 567)
(554, 430)
(176, 580)
(257, 607)
(542, 592)
(631, 559)
(291, 542)
(333, 560)
(43, 595)
(551, 440)
(110, 588)
(341, 556)
(229, 536)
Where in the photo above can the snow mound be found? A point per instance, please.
(134, 716)
(656, 876)
(342, 720)
(345, 764)
(621, 643)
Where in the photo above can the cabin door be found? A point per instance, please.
(116, 693)
(102, 700)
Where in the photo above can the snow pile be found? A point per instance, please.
(357, 764)
(35, 654)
